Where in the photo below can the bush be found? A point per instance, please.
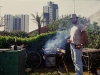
(37, 41)
(93, 39)
(16, 33)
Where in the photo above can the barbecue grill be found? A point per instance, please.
(53, 51)
(50, 55)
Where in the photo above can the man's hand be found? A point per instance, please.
(78, 46)
(69, 41)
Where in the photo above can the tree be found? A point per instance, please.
(38, 20)
(95, 24)
(63, 23)
(19, 33)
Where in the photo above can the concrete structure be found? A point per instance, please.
(50, 12)
(17, 22)
(22, 23)
(8, 21)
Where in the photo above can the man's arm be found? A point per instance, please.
(84, 37)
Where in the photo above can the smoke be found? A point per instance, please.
(58, 41)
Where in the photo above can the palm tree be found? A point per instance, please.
(38, 20)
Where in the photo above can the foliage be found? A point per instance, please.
(64, 23)
(93, 32)
(4, 33)
(7, 41)
(38, 20)
(52, 27)
(20, 34)
(37, 41)
(16, 33)
(35, 33)
(93, 38)
(95, 24)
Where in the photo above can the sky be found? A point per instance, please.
(82, 7)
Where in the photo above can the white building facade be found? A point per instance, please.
(8, 22)
(19, 22)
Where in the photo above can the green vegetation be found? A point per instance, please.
(16, 33)
(38, 20)
(38, 40)
(63, 23)
(93, 37)
(93, 31)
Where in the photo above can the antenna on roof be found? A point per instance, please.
(74, 6)
(0, 10)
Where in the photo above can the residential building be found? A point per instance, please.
(8, 21)
(50, 12)
(17, 22)
(22, 22)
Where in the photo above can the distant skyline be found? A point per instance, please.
(82, 7)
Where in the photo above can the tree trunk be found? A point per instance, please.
(39, 29)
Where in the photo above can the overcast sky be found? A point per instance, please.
(82, 7)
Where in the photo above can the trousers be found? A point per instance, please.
(76, 55)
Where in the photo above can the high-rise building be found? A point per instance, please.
(8, 21)
(22, 22)
(17, 22)
(50, 12)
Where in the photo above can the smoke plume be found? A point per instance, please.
(58, 41)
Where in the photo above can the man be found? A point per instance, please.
(77, 40)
